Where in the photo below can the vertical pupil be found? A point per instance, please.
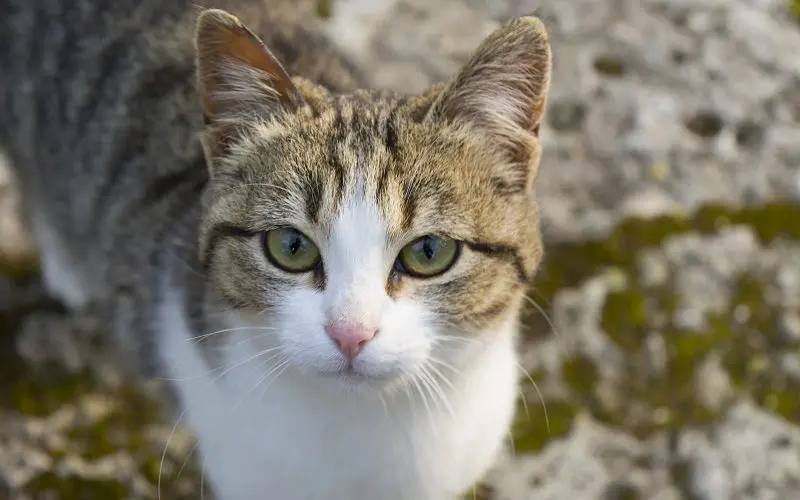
(429, 248)
(295, 243)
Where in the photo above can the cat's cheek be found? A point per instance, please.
(299, 319)
(403, 345)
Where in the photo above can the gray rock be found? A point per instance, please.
(752, 454)
(789, 324)
(713, 386)
(705, 268)
(587, 463)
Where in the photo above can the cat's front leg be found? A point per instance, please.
(49, 333)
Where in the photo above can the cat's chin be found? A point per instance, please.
(353, 380)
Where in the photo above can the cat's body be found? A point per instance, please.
(369, 370)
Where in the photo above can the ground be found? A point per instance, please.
(663, 334)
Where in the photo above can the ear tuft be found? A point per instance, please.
(238, 77)
(502, 89)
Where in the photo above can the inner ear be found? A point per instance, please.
(237, 74)
(503, 87)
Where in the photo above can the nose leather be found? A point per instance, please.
(350, 338)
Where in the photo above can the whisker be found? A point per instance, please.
(203, 480)
(186, 460)
(453, 338)
(437, 372)
(199, 338)
(211, 371)
(541, 398)
(416, 383)
(541, 296)
(261, 378)
(164, 452)
(280, 370)
(249, 339)
(524, 401)
(251, 358)
(540, 309)
(438, 389)
(173, 254)
(385, 406)
(447, 365)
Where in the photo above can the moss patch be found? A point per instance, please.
(649, 400)
(121, 429)
(794, 9)
(82, 419)
(323, 8)
(530, 430)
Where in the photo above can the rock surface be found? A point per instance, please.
(664, 348)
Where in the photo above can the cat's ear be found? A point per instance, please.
(502, 89)
(238, 77)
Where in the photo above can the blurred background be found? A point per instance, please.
(663, 336)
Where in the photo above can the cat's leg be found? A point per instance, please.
(21, 293)
(18, 256)
(58, 267)
(52, 333)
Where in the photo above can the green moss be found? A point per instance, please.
(794, 9)
(623, 491)
(530, 430)
(752, 357)
(323, 8)
(625, 318)
(609, 66)
(680, 472)
(579, 374)
(650, 400)
(50, 485)
(480, 492)
(568, 264)
(43, 395)
(93, 435)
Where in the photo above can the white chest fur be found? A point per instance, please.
(290, 439)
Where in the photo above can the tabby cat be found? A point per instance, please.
(330, 277)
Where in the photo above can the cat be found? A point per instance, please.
(331, 278)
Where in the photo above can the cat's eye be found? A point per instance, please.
(428, 256)
(290, 250)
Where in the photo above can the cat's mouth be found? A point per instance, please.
(352, 375)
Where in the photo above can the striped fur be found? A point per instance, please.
(155, 147)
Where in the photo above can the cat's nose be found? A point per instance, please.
(350, 338)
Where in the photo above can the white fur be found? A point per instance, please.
(60, 276)
(287, 425)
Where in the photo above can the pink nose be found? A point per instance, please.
(350, 338)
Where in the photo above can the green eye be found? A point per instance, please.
(290, 250)
(428, 256)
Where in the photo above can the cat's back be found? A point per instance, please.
(101, 94)
(99, 112)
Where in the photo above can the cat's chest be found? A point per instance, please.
(295, 453)
(263, 435)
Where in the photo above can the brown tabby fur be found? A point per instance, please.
(286, 153)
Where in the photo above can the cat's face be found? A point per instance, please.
(377, 235)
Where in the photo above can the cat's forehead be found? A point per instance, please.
(416, 176)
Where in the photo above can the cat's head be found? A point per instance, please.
(374, 233)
